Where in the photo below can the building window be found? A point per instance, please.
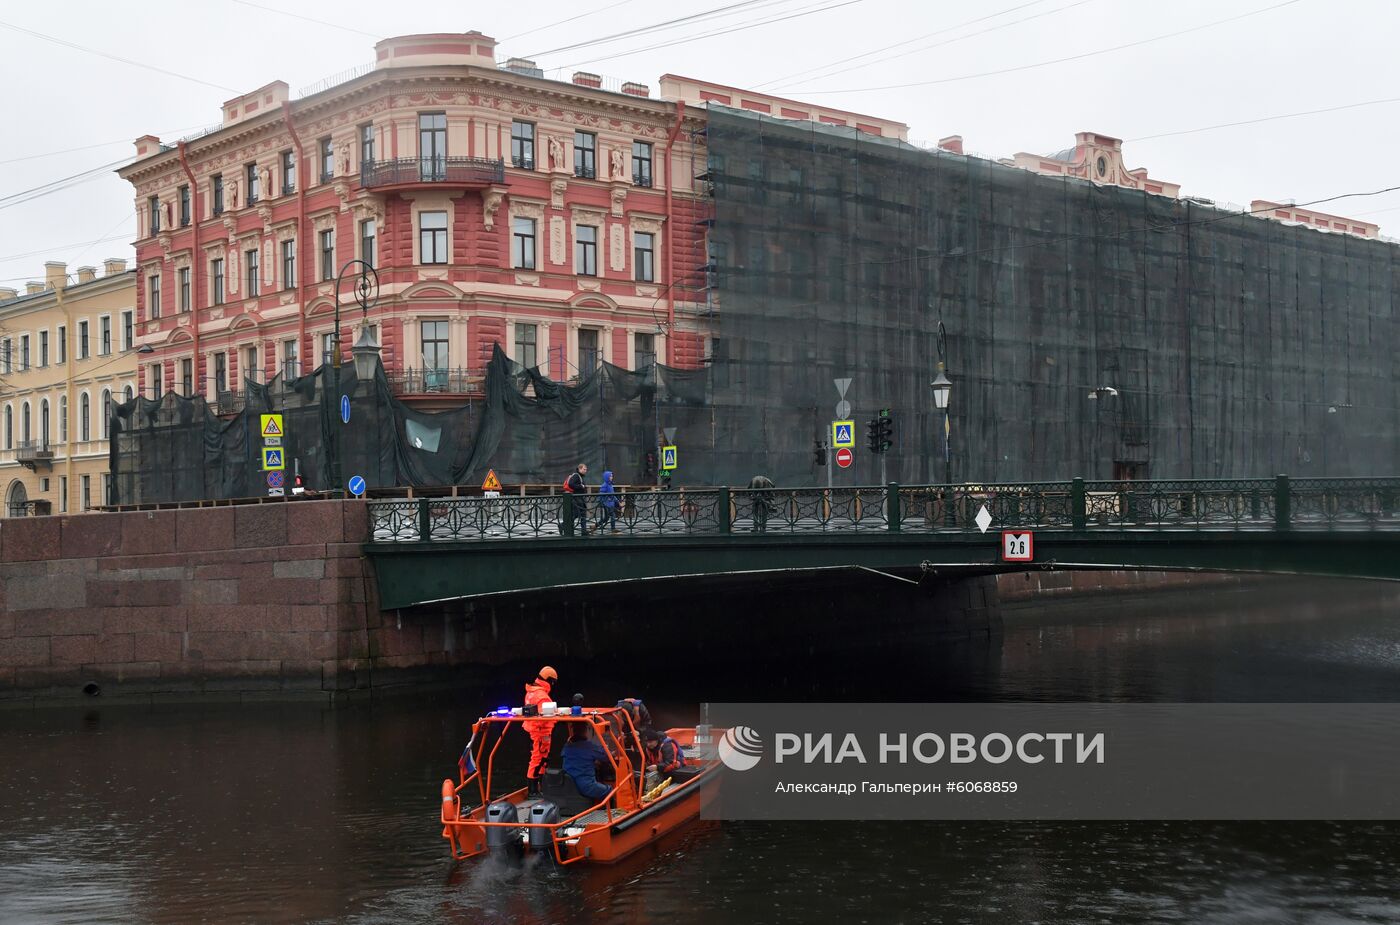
(587, 350)
(327, 347)
(367, 240)
(641, 163)
(43, 348)
(187, 377)
(525, 346)
(87, 492)
(522, 145)
(432, 237)
(289, 264)
(24, 352)
(153, 204)
(182, 283)
(128, 394)
(128, 329)
(366, 144)
(24, 431)
(250, 171)
(251, 369)
(157, 380)
(184, 206)
(44, 422)
(327, 160)
(585, 155)
(153, 296)
(586, 250)
(9, 427)
(6, 356)
(289, 173)
(106, 410)
(327, 239)
(432, 146)
(644, 257)
(84, 418)
(434, 340)
(63, 494)
(221, 371)
(63, 419)
(216, 280)
(83, 352)
(104, 327)
(522, 243)
(252, 277)
(217, 181)
(291, 363)
(106, 488)
(63, 343)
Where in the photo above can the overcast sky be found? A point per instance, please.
(1235, 60)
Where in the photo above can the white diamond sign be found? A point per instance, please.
(984, 519)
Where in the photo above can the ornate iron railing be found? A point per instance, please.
(1078, 506)
(450, 170)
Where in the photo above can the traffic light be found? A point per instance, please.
(649, 467)
(872, 435)
(886, 423)
(818, 453)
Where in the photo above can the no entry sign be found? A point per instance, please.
(844, 458)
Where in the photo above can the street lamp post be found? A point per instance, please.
(365, 352)
(942, 391)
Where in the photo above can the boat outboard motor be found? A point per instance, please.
(543, 813)
(502, 837)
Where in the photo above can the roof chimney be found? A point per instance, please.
(33, 288)
(87, 274)
(112, 266)
(55, 274)
(636, 89)
(585, 79)
(523, 66)
(7, 293)
(953, 143)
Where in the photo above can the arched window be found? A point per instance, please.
(63, 419)
(9, 427)
(128, 394)
(84, 426)
(44, 422)
(26, 433)
(106, 413)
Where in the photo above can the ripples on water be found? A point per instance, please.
(288, 813)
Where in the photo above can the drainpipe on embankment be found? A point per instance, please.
(195, 261)
(302, 268)
(670, 241)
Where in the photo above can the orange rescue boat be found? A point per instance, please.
(476, 819)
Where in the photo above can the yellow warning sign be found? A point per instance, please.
(492, 483)
(272, 425)
(273, 459)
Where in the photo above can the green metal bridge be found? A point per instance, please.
(426, 550)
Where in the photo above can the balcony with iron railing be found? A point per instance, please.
(438, 382)
(33, 453)
(432, 171)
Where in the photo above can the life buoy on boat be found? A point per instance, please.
(449, 800)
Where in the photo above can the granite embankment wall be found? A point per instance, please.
(270, 599)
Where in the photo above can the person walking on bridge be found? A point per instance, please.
(541, 731)
(761, 486)
(576, 486)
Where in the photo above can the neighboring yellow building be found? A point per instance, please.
(67, 353)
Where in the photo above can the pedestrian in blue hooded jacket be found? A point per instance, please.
(607, 501)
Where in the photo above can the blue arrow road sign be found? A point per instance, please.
(357, 485)
(345, 409)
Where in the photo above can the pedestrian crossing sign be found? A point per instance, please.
(272, 458)
(492, 483)
(272, 425)
(843, 433)
(668, 457)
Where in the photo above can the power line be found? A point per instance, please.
(11, 258)
(876, 51)
(655, 27)
(111, 57)
(520, 35)
(319, 22)
(751, 24)
(1079, 57)
(100, 144)
(54, 186)
(1286, 115)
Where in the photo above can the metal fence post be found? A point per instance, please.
(425, 524)
(1283, 503)
(892, 511)
(723, 510)
(1078, 510)
(566, 511)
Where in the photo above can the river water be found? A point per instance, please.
(299, 813)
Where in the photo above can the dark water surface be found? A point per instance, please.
(296, 813)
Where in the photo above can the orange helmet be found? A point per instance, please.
(549, 674)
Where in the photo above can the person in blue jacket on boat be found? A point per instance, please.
(581, 756)
(607, 503)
